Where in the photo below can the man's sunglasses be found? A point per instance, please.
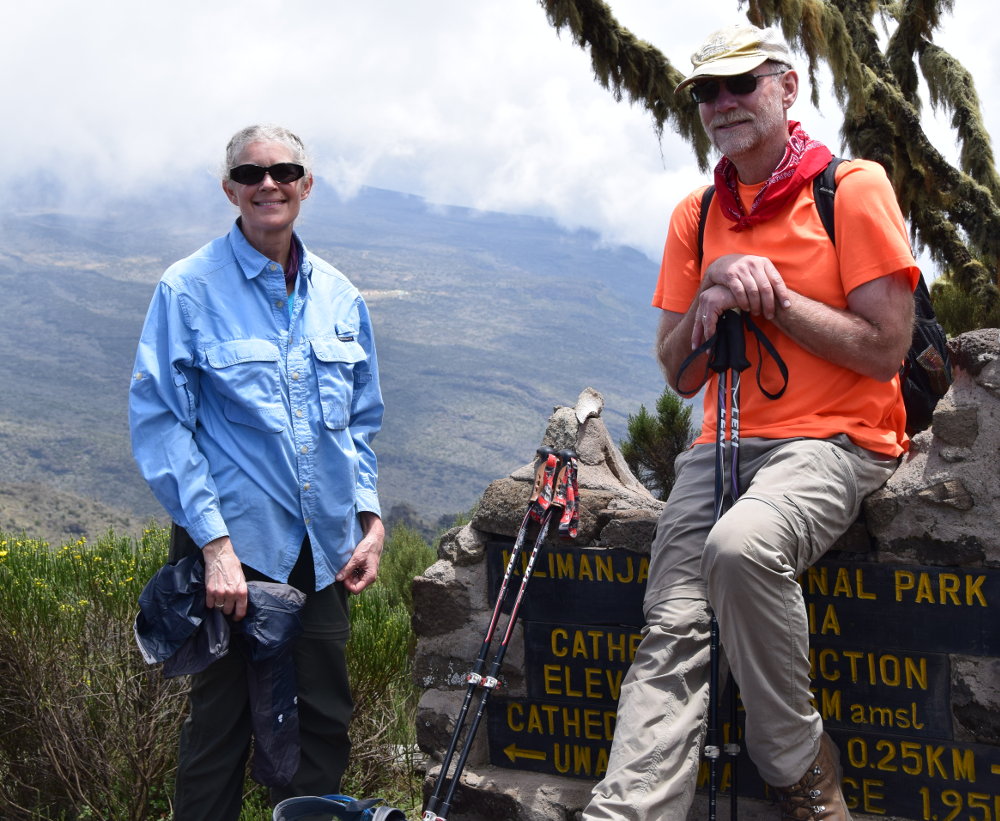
(279, 172)
(707, 90)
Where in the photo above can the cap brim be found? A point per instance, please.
(725, 67)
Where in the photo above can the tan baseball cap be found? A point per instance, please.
(736, 50)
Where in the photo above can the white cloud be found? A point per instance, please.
(465, 102)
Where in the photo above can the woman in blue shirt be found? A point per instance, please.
(254, 399)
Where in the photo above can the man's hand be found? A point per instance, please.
(225, 585)
(362, 569)
(754, 282)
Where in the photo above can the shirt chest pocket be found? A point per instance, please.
(340, 364)
(244, 373)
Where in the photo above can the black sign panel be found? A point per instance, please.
(579, 585)
(547, 736)
(880, 640)
(859, 690)
(930, 609)
(576, 661)
(919, 608)
(882, 691)
(925, 779)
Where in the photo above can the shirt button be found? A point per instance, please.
(295, 376)
(304, 449)
(279, 304)
(298, 413)
(306, 486)
(272, 267)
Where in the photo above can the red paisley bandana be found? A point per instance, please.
(804, 159)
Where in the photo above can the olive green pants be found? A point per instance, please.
(799, 496)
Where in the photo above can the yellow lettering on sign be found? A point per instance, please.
(830, 704)
(873, 668)
(593, 683)
(594, 724)
(550, 679)
(515, 716)
(605, 569)
(888, 718)
(830, 623)
(869, 796)
(616, 648)
(963, 763)
(974, 590)
(643, 570)
(849, 582)
(864, 795)
(629, 574)
(817, 581)
(557, 642)
(913, 758)
(593, 645)
(949, 588)
(579, 760)
(571, 721)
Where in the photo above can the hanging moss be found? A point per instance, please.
(954, 211)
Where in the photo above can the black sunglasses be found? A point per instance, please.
(707, 90)
(279, 172)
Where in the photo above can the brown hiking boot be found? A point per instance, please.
(817, 794)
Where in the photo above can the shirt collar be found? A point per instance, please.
(253, 262)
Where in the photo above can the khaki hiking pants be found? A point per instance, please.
(799, 496)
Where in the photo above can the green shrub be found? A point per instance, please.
(89, 731)
(654, 442)
(379, 660)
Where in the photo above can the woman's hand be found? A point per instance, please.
(362, 569)
(225, 584)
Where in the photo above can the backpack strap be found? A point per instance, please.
(706, 200)
(824, 188)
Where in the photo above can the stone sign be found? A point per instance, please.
(881, 636)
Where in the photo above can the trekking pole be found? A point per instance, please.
(544, 480)
(728, 361)
(555, 487)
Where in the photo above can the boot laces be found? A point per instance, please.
(801, 797)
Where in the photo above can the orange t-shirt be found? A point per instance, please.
(822, 399)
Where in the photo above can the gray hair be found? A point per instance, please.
(264, 134)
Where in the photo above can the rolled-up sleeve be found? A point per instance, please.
(163, 402)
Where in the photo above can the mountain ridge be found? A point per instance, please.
(484, 322)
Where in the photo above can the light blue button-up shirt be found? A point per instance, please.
(253, 421)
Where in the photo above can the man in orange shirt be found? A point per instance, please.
(840, 318)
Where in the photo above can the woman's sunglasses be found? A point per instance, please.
(279, 172)
(707, 90)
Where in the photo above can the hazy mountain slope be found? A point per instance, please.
(484, 322)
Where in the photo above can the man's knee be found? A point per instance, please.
(753, 535)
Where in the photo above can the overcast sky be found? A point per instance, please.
(465, 102)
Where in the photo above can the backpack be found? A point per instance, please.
(926, 372)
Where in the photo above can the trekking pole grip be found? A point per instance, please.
(730, 348)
